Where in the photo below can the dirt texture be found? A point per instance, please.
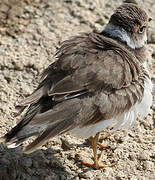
(30, 33)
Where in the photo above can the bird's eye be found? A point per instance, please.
(141, 29)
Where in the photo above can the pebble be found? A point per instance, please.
(76, 178)
(65, 144)
(149, 165)
(86, 175)
(143, 156)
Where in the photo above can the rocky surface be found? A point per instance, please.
(30, 32)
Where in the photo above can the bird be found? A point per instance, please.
(98, 80)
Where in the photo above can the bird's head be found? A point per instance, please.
(129, 24)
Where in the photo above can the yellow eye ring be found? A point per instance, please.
(141, 29)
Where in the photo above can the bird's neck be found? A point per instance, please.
(120, 34)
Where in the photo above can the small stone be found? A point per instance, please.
(143, 156)
(153, 107)
(77, 178)
(133, 178)
(71, 156)
(65, 145)
(149, 165)
(86, 175)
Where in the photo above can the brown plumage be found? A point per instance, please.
(123, 15)
(94, 78)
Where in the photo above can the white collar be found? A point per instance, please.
(117, 32)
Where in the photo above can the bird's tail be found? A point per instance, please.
(45, 125)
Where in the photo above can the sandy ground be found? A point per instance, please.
(30, 32)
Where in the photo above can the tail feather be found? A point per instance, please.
(24, 134)
(42, 105)
(45, 123)
(53, 130)
(31, 112)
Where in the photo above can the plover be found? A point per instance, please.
(98, 80)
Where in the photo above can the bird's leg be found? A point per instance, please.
(104, 147)
(97, 159)
(93, 141)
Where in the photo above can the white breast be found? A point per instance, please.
(146, 103)
(124, 121)
(143, 108)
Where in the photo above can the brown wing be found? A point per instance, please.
(92, 64)
(95, 72)
(89, 61)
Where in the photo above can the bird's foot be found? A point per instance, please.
(97, 158)
(97, 163)
(103, 146)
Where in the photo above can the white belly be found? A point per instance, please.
(123, 121)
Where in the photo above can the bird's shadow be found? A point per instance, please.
(41, 164)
